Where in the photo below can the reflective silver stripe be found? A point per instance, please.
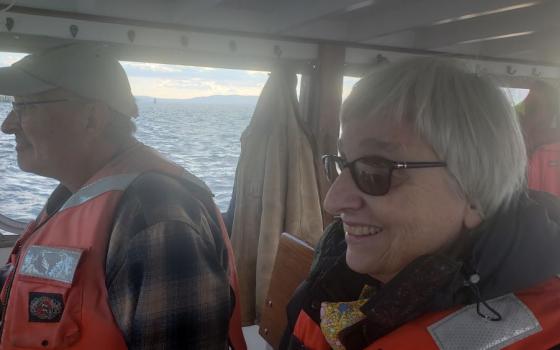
(51, 263)
(106, 184)
(465, 329)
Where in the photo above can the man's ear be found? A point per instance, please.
(98, 117)
(472, 217)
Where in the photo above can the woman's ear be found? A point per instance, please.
(472, 217)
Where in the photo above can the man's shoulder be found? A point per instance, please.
(157, 207)
(154, 180)
(158, 197)
(156, 186)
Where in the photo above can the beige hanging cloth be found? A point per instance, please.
(276, 189)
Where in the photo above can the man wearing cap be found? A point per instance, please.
(540, 116)
(129, 250)
(540, 119)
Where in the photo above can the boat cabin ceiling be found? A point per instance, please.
(503, 37)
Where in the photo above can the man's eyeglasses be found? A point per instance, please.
(19, 108)
(371, 174)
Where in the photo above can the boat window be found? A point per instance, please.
(194, 116)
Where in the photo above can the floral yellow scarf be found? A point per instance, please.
(337, 316)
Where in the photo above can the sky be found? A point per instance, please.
(183, 82)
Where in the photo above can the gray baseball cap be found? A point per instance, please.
(88, 71)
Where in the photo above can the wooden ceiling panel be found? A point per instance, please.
(292, 14)
(510, 24)
(423, 13)
(494, 28)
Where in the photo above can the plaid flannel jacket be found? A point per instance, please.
(166, 267)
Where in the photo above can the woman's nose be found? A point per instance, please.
(10, 124)
(343, 195)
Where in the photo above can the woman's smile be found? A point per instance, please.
(361, 230)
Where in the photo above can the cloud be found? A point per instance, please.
(258, 73)
(201, 82)
(152, 67)
(177, 72)
(212, 87)
(178, 81)
(204, 68)
(189, 88)
(194, 83)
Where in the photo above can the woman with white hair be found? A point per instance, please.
(439, 245)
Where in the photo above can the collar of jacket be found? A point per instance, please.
(519, 248)
(330, 278)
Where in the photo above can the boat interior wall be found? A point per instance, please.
(522, 82)
(247, 34)
(364, 60)
(146, 44)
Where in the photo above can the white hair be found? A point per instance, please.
(466, 118)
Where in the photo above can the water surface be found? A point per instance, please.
(202, 138)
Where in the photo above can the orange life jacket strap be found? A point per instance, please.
(309, 333)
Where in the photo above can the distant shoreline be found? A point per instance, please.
(213, 99)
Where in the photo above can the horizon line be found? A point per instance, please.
(191, 98)
(5, 98)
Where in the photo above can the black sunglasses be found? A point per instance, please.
(371, 174)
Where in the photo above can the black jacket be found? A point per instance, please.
(519, 247)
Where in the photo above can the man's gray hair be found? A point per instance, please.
(466, 118)
(121, 128)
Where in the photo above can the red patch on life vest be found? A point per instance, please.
(45, 307)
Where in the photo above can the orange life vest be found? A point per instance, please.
(56, 296)
(544, 169)
(530, 320)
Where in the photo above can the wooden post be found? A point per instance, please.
(322, 98)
